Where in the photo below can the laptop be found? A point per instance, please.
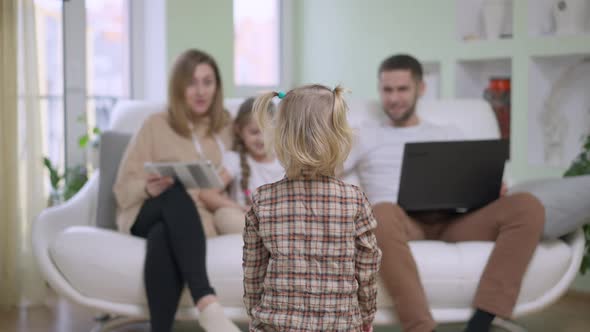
(457, 176)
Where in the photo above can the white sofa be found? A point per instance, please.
(102, 269)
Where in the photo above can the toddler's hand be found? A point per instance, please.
(225, 176)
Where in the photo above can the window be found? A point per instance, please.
(108, 74)
(107, 58)
(257, 43)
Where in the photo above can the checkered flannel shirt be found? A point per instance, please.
(310, 257)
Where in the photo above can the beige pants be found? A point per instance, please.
(229, 221)
(514, 222)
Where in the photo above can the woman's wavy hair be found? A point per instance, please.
(180, 114)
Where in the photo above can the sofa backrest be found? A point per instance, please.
(473, 117)
(128, 115)
(112, 148)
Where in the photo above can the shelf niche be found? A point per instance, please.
(472, 16)
(432, 80)
(473, 76)
(547, 19)
(558, 108)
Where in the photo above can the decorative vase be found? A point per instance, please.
(498, 95)
(56, 197)
(571, 16)
(494, 14)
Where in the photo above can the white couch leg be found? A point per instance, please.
(107, 322)
(507, 325)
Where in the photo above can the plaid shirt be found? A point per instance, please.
(310, 257)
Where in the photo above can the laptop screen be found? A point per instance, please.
(451, 175)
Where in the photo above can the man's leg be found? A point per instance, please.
(515, 223)
(399, 273)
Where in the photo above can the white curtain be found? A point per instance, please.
(32, 196)
(8, 151)
(22, 281)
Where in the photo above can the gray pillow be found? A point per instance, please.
(566, 202)
(112, 148)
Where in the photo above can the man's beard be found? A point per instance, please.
(404, 117)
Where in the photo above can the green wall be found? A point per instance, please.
(343, 41)
(205, 25)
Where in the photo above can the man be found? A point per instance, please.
(514, 222)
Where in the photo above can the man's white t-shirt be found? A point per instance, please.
(260, 174)
(378, 152)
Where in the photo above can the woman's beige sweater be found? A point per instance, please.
(156, 141)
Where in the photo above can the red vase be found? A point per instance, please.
(498, 95)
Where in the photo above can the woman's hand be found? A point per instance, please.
(226, 178)
(157, 184)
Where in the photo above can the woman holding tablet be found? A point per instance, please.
(172, 219)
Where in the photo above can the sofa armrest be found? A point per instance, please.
(79, 210)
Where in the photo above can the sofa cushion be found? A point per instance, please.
(112, 148)
(566, 202)
(450, 272)
(114, 272)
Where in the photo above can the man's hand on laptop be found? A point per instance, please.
(503, 189)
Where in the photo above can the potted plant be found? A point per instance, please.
(581, 166)
(64, 185)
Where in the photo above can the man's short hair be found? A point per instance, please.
(402, 62)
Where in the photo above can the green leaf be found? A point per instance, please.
(75, 179)
(585, 264)
(83, 141)
(96, 131)
(54, 176)
(581, 166)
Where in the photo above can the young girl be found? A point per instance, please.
(249, 166)
(310, 256)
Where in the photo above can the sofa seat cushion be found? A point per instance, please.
(108, 265)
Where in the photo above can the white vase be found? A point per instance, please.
(571, 16)
(494, 14)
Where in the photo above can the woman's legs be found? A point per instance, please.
(163, 282)
(176, 254)
(162, 278)
(187, 239)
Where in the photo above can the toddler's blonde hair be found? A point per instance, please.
(309, 133)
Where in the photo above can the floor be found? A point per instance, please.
(570, 314)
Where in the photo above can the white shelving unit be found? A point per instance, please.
(471, 19)
(559, 108)
(549, 97)
(473, 75)
(432, 79)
